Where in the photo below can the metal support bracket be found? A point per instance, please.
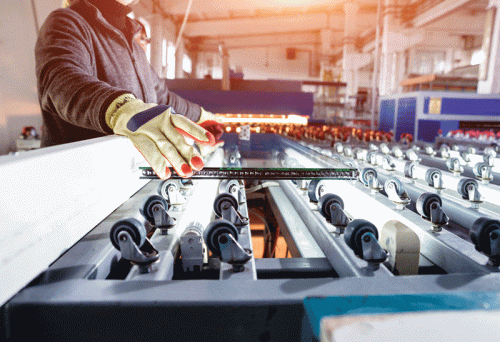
(338, 218)
(387, 164)
(474, 197)
(162, 219)
(130, 251)
(233, 253)
(437, 182)
(175, 199)
(437, 217)
(229, 213)
(494, 259)
(374, 185)
(372, 252)
(401, 201)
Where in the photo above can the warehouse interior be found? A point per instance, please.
(354, 196)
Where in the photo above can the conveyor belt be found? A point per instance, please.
(261, 173)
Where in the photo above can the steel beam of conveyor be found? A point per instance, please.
(340, 256)
(299, 240)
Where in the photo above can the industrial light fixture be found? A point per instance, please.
(264, 118)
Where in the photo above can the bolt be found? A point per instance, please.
(494, 235)
(366, 238)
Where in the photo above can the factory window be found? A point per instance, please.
(477, 57)
(187, 65)
(170, 60)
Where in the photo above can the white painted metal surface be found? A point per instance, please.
(52, 197)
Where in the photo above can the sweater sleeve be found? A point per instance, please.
(182, 106)
(67, 83)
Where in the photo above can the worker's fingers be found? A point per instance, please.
(205, 150)
(185, 150)
(213, 127)
(171, 154)
(152, 154)
(190, 129)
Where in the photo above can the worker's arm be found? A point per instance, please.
(67, 78)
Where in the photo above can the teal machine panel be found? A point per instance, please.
(319, 308)
(423, 114)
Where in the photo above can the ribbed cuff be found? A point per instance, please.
(113, 107)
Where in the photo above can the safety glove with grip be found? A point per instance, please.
(158, 133)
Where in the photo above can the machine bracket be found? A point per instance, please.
(162, 219)
(372, 252)
(338, 218)
(437, 217)
(142, 257)
(233, 253)
(228, 212)
(494, 257)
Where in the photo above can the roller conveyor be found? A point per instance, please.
(175, 259)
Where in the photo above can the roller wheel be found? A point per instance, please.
(221, 200)
(316, 189)
(133, 227)
(166, 186)
(366, 174)
(214, 230)
(354, 233)
(326, 201)
(227, 185)
(480, 233)
(396, 183)
(463, 186)
(409, 167)
(478, 169)
(425, 201)
(147, 208)
(430, 174)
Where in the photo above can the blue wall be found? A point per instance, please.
(251, 102)
(387, 113)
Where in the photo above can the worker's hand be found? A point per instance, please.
(211, 123)
(158, 133)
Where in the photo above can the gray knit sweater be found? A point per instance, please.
(82, 64)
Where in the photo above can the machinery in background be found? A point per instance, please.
(28, 140)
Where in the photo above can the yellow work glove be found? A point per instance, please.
(158, 133)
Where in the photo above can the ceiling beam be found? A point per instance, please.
(267, 40)
(440, 10)
(275, 24)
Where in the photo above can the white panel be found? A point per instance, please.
(52, 197)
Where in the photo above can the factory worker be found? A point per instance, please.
(94, 79)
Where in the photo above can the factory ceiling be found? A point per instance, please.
(247, 24)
